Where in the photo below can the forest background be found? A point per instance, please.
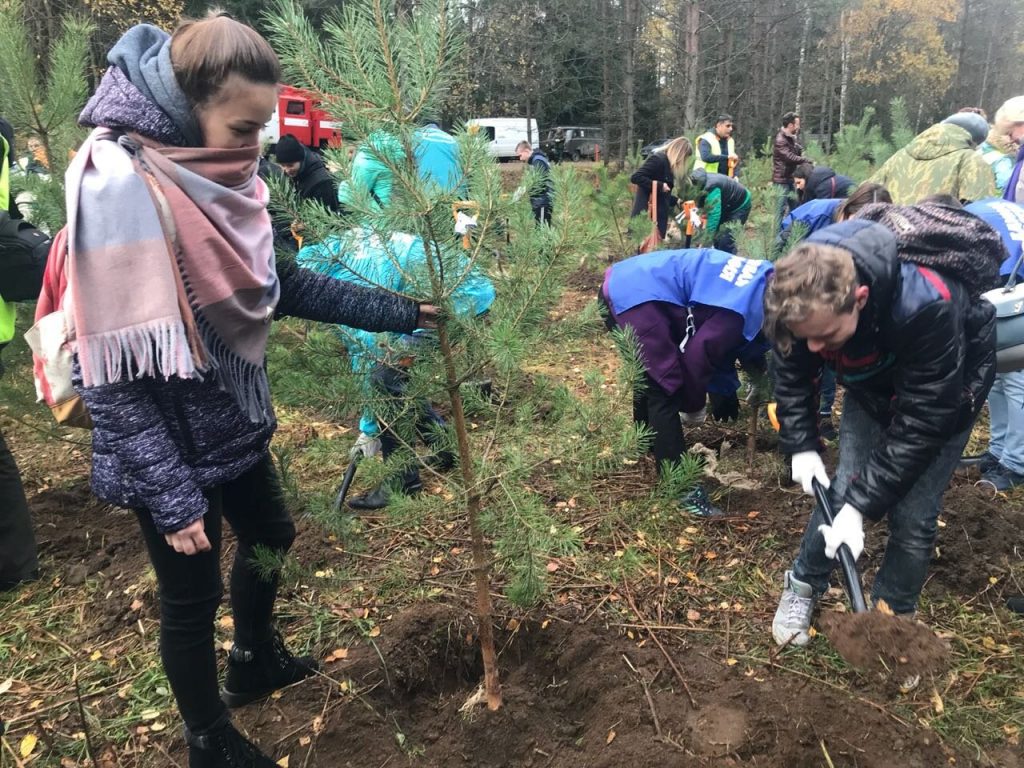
(644, 70)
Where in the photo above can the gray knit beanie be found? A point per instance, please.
(974, 124)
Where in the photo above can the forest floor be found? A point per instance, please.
(653, 647)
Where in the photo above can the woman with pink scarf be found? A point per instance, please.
(172, 284)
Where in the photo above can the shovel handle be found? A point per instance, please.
(346, 483)
(850, 575)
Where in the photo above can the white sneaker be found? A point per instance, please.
(792, 621)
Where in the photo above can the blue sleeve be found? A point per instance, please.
(704, 147)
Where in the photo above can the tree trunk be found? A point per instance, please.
(798, 102)
(844, 77)
(963, 88)
(985, 73)
(631, 11)
(481, 557)
(726, 77)
(606, 84)
(692, 64)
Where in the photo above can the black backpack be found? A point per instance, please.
(23, 252)
(949, 240)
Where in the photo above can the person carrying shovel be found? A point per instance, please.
(915, 349)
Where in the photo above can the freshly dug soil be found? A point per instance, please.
(570, 700)
(874, 641)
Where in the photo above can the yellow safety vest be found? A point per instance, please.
(711, 138)
(6, 308)
(6, 321)
(5, 175)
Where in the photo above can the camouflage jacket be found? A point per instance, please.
(939, 160)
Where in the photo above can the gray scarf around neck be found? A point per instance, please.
(144, 54)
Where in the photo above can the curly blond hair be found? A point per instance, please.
(812, 276)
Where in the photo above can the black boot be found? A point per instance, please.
(258, 672)
(221, 746)
(379, 497)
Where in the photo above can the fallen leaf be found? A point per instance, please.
(375, 632)
(28, 744)
(336, 654)
(283, 762)
(157, 726)
(96, 656)
(752, 514)
(513, 625)
(611, 737)
(304, 741)
(989, 643)
(937, 704)
(710, 555)
(226, 622)
(318, 724)
(692, 615)
(136, 604)
(544, 624)
(553, 566)
(731, 662)
(150, 714)
(5, 686)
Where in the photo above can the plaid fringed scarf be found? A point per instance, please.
(171, 265)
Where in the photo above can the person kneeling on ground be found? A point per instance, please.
(382, 360)
(723, 200)
(694, 313)
(915, 350)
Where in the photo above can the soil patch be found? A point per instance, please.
(570, 700)
(874, 641)
(981, 538)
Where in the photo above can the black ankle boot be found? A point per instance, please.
(221, 746)
(258, 672)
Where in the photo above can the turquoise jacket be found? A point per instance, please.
(361, 257)
(437, 160)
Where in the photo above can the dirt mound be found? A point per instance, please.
(874, 641)
(571, 699)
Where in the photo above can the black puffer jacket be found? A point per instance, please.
(315, 182)
(921, 361)
(826, 184)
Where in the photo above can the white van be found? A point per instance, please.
(505, 133)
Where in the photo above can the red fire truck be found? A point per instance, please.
(298, 114)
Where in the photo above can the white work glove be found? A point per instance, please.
(366, 445)
(807, 465)
(695, 219)
(848, 529)
(464, 222)
(697, 417)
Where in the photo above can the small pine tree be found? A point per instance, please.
(45, 103)
(380, 71)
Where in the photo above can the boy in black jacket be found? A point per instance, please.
(915, 349)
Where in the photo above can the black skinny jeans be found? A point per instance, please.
(394, 382)
(191, 588)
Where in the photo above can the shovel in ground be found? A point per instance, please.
(346, 483)
(876, 640)
(850, 575)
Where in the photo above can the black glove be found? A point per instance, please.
(724, 407)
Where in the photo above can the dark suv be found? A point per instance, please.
(572, 142)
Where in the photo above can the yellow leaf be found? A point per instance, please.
(283, 762)
(150, 714)
(937, 704)
(993, 580)
(157, 726)
(96, 656)
(731, 662)
(513, 625)
(989, 643)
(28, 744)
(611, 737)
(544, 624)
(336, 654)
(343, 685)
(375, 632)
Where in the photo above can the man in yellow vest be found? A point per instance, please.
(716, 149)
(18, 561)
